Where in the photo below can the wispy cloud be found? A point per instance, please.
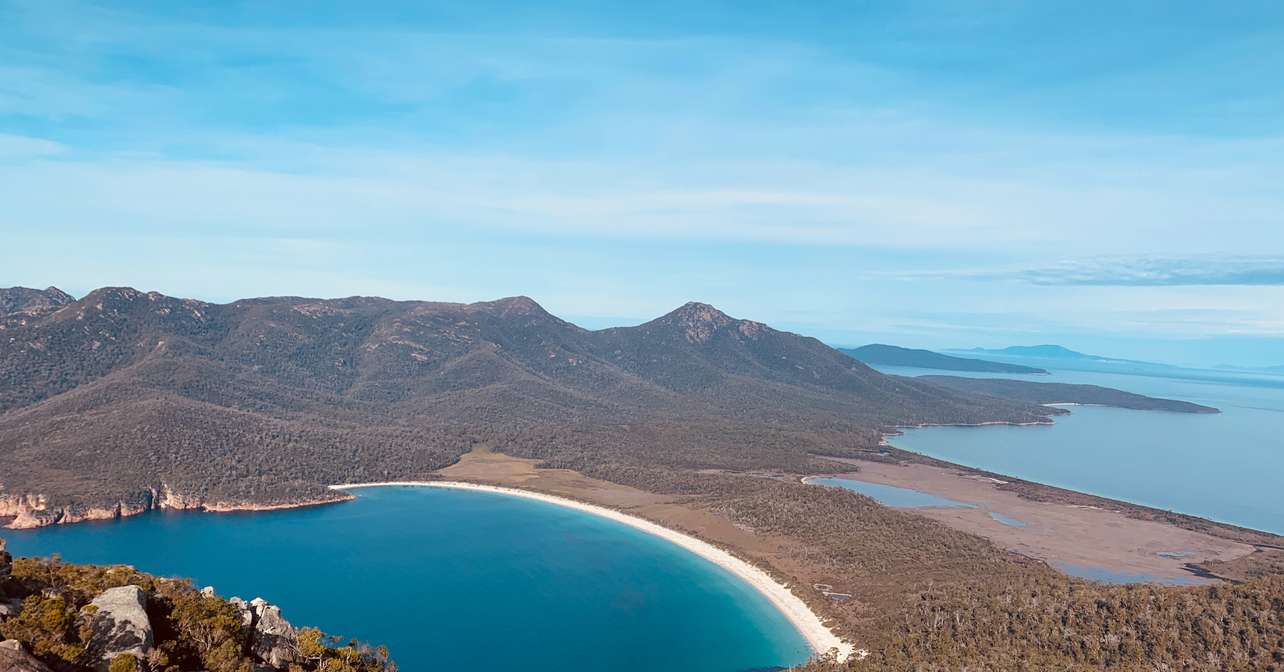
(778, 164)
(1154, 272)
(24, 147)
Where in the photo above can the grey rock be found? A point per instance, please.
(14, 659)
(118, 624)
(11, 644)
(275, 640)
(10, 608)
(247, 614)
(208, 591)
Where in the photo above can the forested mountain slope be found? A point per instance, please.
(125, 400)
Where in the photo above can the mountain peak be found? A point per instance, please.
(697, 321)
(127, 293)
(513, 305)
(58, 295)
(696, 312)
(32, 301)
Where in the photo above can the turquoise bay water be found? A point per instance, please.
(1226, 467)
(457, 580)
(889, 495)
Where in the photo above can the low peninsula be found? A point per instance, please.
(892, 355)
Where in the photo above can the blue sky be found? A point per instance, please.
(931, 174)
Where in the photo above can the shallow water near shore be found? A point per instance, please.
(1103, 575)
(1225, 467)
(889, 495)
(459, 580)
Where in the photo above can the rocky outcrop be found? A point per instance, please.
(13, 658)
(116, 626)
(247, 614)
(275, 640)
(117, 623)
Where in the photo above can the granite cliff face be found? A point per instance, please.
(32, 510)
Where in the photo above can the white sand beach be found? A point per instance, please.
(821, 639)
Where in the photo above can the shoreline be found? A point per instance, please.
(14, 515)
(819, 637)
(1038, 491)
(1065, 536)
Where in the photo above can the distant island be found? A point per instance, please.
(891, 355)
(1061, 358)
(1046, 351)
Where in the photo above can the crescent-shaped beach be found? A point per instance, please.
(821, 639)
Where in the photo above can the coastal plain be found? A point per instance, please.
(1079, 535)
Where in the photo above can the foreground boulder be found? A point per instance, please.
(118, 624)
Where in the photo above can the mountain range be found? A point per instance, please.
(125, 400)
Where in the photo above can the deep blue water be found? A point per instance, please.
(1225, 467)
(456, 580)
(889, 495)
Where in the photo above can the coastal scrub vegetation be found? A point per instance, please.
(193, 630)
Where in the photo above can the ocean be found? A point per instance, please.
(1226, 467)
